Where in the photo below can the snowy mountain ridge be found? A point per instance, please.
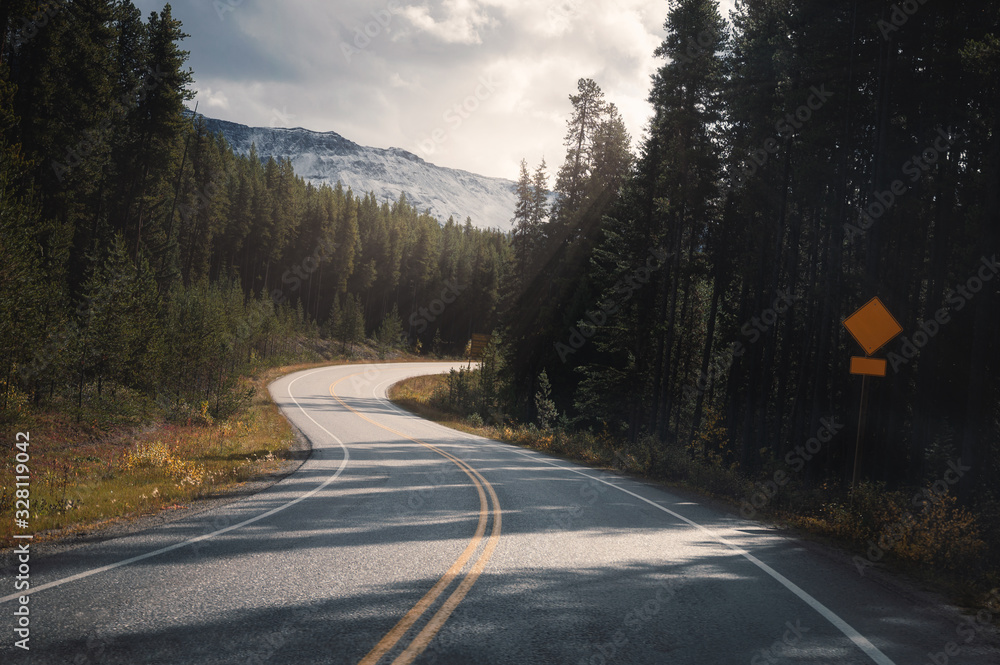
(326, 157)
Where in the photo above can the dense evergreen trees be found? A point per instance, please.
(141, 254)
(801, 158)
(557, 242)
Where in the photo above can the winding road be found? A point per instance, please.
(402, 541)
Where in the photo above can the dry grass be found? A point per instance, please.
(416, 395)
(87, 475)
(422, 395)
(83, 478)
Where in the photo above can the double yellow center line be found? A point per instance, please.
(431, 628)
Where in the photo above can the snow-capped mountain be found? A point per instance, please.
(326, 157)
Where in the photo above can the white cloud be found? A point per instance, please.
(413, 61)
(397, 81)
(213, 99)
(462, 21)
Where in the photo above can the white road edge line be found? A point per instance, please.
(859, 640)
(170, 548)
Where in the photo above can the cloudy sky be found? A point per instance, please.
(469, 84)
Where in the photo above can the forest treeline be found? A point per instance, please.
(140, 254)
(803, 157)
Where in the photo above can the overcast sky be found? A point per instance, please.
(469, 84)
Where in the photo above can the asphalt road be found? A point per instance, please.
(403, 541)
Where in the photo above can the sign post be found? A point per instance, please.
(479, 342)
(872, 327)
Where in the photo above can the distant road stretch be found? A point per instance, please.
(402, 541)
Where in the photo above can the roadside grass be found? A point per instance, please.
(124, 459)
(84, 477)
(415, 395)
(941, 544)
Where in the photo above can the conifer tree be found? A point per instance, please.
(545, 408)
(390, 332)
(351, 326)
(523, 219)
(539, 197)
(23, 293)
(571, 182)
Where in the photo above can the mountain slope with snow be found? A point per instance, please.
(326, 157)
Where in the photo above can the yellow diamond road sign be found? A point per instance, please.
(872, 326)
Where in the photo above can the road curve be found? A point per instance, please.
(403, 541)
